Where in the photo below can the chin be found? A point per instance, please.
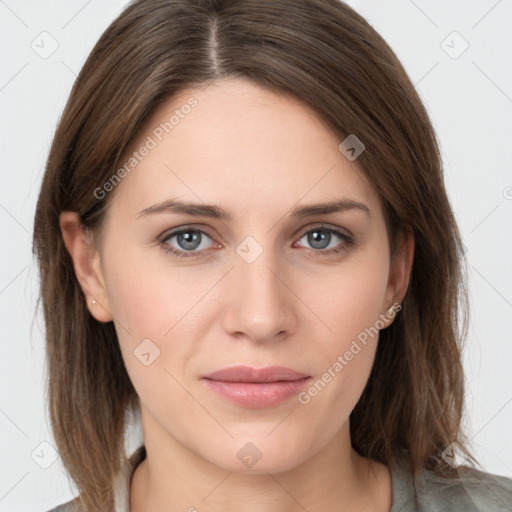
(257, 454)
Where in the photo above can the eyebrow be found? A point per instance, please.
(217, 212)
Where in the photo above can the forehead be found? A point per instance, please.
(234, 142)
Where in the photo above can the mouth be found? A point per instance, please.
(256, 388)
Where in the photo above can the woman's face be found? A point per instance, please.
(258, 279)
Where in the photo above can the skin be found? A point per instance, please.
(258, 155)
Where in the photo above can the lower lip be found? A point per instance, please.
(257, 395)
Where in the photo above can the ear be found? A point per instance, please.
(87, 265)
(400, 271)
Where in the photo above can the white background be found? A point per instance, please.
(469, 99)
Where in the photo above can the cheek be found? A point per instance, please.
(147, 313)
(146, 296)
(349, 303)
(349, 299)
(158, 313)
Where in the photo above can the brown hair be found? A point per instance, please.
(325, 54)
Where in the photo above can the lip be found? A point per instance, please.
(256, 388)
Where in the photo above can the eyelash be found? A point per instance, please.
(348, 242)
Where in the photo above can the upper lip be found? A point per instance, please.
(248, 374)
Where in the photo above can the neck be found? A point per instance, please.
(173, 477)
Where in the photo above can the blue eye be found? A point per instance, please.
(321, 237)
(190, 241)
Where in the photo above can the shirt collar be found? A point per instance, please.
(401, 481)
(123, 480)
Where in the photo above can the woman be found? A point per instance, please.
(243, 234)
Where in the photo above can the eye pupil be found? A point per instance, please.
(318, 237)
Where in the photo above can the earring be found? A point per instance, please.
(93, 301)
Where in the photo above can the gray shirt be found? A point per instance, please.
(474, 491)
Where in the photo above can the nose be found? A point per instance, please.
(260, 304)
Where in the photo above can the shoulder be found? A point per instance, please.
(469, 490)
(69, 506)
(472, 491)
(121, 485)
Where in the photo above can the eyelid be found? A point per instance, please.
(347, 237)
(319, 225)
(188, 227)
(302, 231)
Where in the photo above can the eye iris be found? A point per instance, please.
(189, 241)
(319, 237)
